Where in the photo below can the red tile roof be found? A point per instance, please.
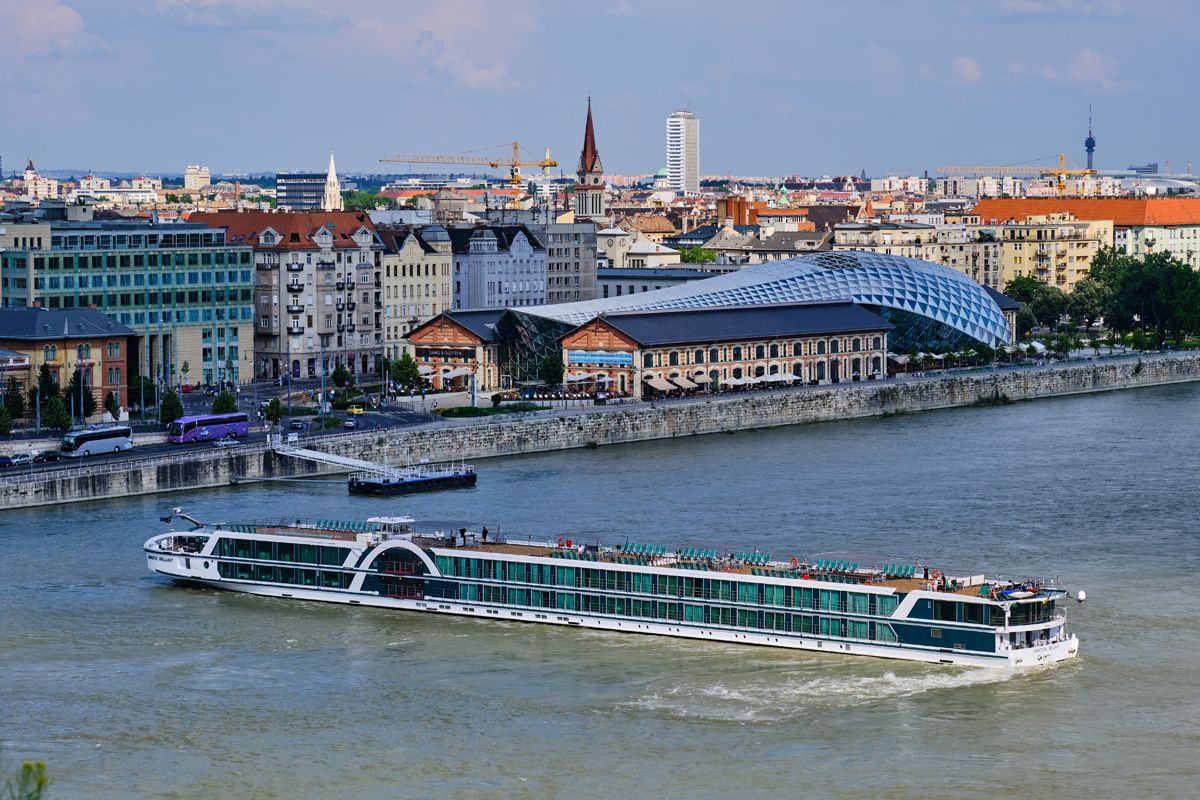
(296, 229)
(1124, 212)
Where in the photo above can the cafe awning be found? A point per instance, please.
(425, 370)
(701, 378)
(583, 376)
(732, 382)
(698, 371)
(682, 382)
(661, 385)
(457, 373)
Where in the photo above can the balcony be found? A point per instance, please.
(351, 305)
(350, 328)
(295, 268)
(295, 329)
(341, 286)
(341, 328)
(378, 304)
(326, 265)
(378, 283)
(340, 304)
(294, 308)
(295, 288)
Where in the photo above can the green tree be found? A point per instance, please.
(405, 372)
(172, 197)
(185, 198)
(697, 255)
(112, 406)
(1086, 302)
(171, 408)
(1047, 304)
(55, 414)
(274, 410)
(551, 370)
(355, 200)
(14, 399)
(77, 393)
(5, 421)
(47, 387)
(224, 403)
(340, 376)
(139, 386)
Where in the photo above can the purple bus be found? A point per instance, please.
(206, 427)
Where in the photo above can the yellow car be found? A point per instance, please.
(355, 410)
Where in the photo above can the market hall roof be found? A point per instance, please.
(918, 287)
(738, 323)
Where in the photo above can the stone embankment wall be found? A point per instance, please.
(498, 436)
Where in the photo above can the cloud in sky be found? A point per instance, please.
(40, 27)
(1086, 69)
(265, 84)
(966, 70)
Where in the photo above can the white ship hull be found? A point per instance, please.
(202, 571)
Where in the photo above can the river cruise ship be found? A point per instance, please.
(831, 604)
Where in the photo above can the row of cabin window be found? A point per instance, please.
(738, 353)
(675, 612)
(281, 551)
(289, 575)
(669, 585)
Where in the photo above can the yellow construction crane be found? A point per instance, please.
(1043, 172)
(514, 164)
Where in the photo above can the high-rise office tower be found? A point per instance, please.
(683, 152)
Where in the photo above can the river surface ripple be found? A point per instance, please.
(128, 686)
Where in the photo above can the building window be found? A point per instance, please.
(797, 350)
(821, 347)
(760, 352)
(673, 359)
(774, 351)
(833, 345)
(714, 355)
(648, 360)
(737, 356)
(856, 345)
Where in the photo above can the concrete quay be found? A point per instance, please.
(595, 426)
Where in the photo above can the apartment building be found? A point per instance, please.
(497, 266)
(318, 289)
(570, 260)
(1140, 225)
(417, 284)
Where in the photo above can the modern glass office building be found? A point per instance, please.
(185, 290)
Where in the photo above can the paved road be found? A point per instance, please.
(384, 419)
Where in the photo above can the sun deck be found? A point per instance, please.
(900, 577)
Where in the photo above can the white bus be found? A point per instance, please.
(77, 444)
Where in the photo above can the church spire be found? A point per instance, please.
(333, 190)
(589, 191)
(589, 158)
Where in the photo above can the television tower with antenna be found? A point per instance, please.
(1089, 143)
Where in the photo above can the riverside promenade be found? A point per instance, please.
(594, 426)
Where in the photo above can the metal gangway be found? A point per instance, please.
(350, 464)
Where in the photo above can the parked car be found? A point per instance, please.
(227, 441)
(5, 461)
(355, 410)
(297, 425)
(283, 380)
(22, 460)
(47, 457)
(186, 388)
(349, 424)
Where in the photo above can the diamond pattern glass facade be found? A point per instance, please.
(921, 289)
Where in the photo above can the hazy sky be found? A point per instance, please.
(781, 87)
